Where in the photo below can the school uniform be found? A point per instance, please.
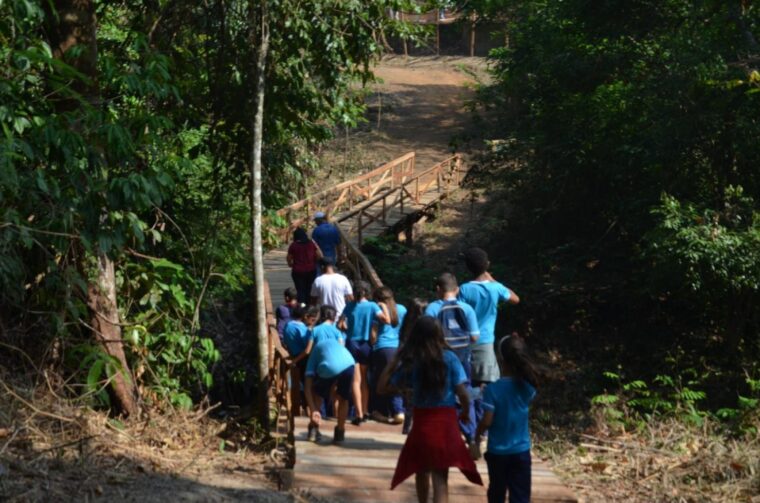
(484, 297)
(325, 331)
(330, 363)
(283, 314)
(382, 354)
(434, 443)
(295, 338)
(359, 316)
(458, 335)
(508, 452)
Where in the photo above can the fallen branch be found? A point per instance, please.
(35, 409)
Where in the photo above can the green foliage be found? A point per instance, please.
(633, 403)
(146, 159)
(624, 135)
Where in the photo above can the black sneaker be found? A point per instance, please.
(339, 435)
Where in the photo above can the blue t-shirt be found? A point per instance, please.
(472, 327)
(328, 238)
(327, 359)
(454, 376)
(387, 335)
(283, 314)
(359, 317)
(296, 337)
(484, 297)
(326, 331)
(509, 400)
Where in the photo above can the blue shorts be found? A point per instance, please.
(360, 350)
(345, 379)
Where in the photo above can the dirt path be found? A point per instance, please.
(419, 105)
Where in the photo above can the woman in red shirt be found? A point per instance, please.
(303, 256)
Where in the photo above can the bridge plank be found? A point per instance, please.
(361, 468)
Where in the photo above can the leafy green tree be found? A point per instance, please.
(634, 123)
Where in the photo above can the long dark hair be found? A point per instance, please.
(514, 354)
(385, 295)
(414, 311)
(300, 236)
(423, 351)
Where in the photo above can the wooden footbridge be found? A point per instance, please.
(390, 198)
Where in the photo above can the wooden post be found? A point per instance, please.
(403, 40)
(472, 38)
(359, 230)
(437, 34)
(384, 198)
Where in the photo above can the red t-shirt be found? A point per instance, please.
(304, 256)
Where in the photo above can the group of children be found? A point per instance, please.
(441, 357)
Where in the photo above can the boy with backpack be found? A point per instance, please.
(460, 330)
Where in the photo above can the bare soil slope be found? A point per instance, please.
(419, 104)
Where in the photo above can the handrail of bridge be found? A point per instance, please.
(442, 174)
(278, 366)
(357, 263)
(346, 194)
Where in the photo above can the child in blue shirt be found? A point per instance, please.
(385, 340)
(460, 329)
(326, 328)
(296, 338)
(329, 364)
(356, 320)
(506, 404)
(484, 294)
(437, 378)
(284, 312)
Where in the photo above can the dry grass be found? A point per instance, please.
(52, 449)
(666, 461)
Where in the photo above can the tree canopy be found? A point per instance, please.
(127, 136)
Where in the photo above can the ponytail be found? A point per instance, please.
(514, 354)
(385, 295)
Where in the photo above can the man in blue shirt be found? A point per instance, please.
(326, 236)
(484, 294)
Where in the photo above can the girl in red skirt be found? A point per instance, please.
(437, 378)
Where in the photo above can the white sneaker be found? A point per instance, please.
(397, 419)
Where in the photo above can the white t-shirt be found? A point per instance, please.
(331, 289)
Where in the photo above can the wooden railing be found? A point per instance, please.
(443, 175)
(357, 264)
(346, 195)
(278, 367)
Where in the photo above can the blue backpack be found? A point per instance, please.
(454, 322)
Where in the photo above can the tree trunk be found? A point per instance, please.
(101, 299)
(73, 23)
(261, 28)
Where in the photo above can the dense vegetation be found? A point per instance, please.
(625, 133)
(125, 171)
